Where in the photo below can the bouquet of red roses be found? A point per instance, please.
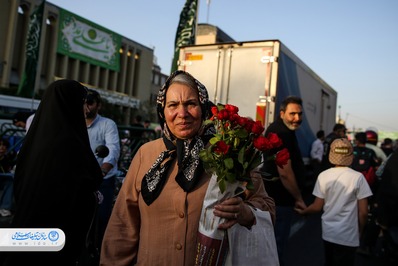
(234, 151)
(237, 146)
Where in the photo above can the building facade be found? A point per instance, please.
(209, 34)
(120, 69)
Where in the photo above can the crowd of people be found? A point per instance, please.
(57, 180)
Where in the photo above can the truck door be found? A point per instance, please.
(247, 77)
(205, 64)
(236, 73)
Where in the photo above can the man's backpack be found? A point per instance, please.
(364, 162)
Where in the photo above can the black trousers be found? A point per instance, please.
(339, 255)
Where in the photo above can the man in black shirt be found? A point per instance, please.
(282, 184)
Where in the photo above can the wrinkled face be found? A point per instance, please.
(182, 111)
(292, 116)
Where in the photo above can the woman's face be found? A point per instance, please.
(182, 111)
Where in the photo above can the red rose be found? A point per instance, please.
(257, 128)
(214, 110)
(249, 125)
(221, 147)
(261, 143)
(223, 115)
(234, 117)
(275, 140)
(282, 157)
(232, 109)
(242, 121)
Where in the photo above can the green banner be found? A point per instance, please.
(26, 86)
(186, 30)
(86, 41)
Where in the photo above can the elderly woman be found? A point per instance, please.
(156, 216)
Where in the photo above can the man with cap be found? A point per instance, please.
(342, 193)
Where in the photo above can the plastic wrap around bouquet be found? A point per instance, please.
(234, 151)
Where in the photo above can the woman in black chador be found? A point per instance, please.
(56, 175)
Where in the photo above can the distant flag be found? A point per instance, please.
(208, 11)
(27, 84)
(186, 29)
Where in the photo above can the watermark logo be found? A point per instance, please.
(31, 239)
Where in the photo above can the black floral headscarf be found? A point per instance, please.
(202, 92)
(186, 151)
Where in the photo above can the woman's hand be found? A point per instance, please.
(234, 210)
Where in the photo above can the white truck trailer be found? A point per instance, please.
(256, 76)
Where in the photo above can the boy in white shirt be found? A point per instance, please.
(342, 194)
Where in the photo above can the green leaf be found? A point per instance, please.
(236, 142)
(245, 165)
(218, 135)
(222, 185)
(241, 133)
(220, 106)
(214, 140)
(230, 177)
(208, 122)
(241, 155)
(219, 175)
(205, 155)
(229, 163)
(255, 162)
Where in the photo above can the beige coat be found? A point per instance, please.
(163, 233)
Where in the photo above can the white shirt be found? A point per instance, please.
(341, 188)
(103, 131)
(379, 152)
(317, 150)
(29, 122)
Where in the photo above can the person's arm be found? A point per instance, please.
(112, 141)
(320, 152)
(288, 179)
(257, 198)
(362, 214)
(317, 151)
(315, 207)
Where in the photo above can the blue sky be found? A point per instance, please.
(351, 44)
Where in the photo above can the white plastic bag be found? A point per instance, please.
(255, 246)
(212, 246)
(238, 246)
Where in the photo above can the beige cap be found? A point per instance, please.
(341, 152)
